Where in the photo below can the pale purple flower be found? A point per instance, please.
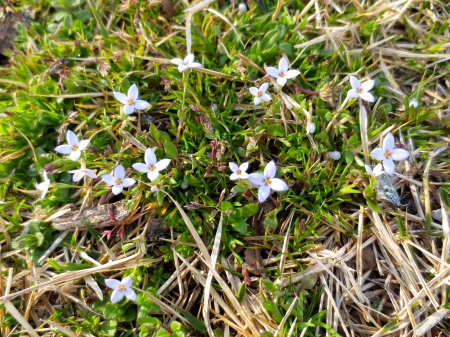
(130, 101)
(282, 74)
(260, 94)
(151, 166)
(387, 154)
(187, 63)
(79, 174)
(121, 289)
(267, 181)
(361, 89)
(74, 148)
(118, 180)
(239, 172)
(377, 170)
(44, 185)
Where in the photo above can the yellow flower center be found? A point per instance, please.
(122, 287)
(387, 154)
(152, 168)
(239, 172)
(360, 90)
(266, 181)
(130, 101)
(282, 74)
(74, 148)
(118, 181)
(259, 93)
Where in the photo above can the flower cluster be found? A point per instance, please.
(266, 181)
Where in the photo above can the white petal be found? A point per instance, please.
(369, 170)
(117, 189)
(177, 61)
(152, 175)
(91, 173)
(127, 282)
(244, 175)
(263, 87)
(127, 182)
(109, 179)
(389, 166)
(263, 193)
(112, 283)
(253, 90)
(44, 172)
(72, 138)
(256, 178)
(367, 96)
(162, 164)
(128, 109)
(270, 170)
(257, 100)
(78, 175)
(377, 153)
(272, 71)
(150, 157)
(43, 186)
(388, 142)
(182, 67)
(119, 172)
(368, 85)
(283, 65)
(117, 295)
(141, 105)
(234, 176)
(122, 98)
(282, 81)
(266, 98)
(189, 58)
(195, 65)
(64, 149)
(130, 294)
(75, 155)
(377, 170)
(141, 167)
(399, 154)
(133, 92)
(291, 73)
(354, 82)
(352, 93)
(233, 167)
(83, 144)
(244, 167)
(278, 185)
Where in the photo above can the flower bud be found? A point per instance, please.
(413, 102)
(242, 7)
(335, 155)
(310, 127)
(326, 93)
(184, 185)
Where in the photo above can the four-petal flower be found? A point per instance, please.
(267, 182)
(118, 180)
(74, 148)
(78, 174)
(282, 74)
(44, 185)
(361, 89)
(260, 94)
(388, 154)
(239, 172)
(121, 289)
(151, 166)
(130, 101)
(187, 63)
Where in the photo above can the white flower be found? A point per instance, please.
(151, 166)
(130, 101)
(118, 180)
(187, 63)
(311, 127)
(78, 174)
(388, 154)
(44, 185)
(335, 155)
(74, 148)
(242, 7)
(361, 89)
(121, 289)
(239, 172)
(260, 94)
(282, 74)
(377, 170)
(267, 182)
(413, 102)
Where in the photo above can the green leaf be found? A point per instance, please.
(92, 230)
(248, 210)
(194, 321)
(154, 132)
(170, 149)
(242, 291)
(271, 221)
(373, 205)
(226, 206)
